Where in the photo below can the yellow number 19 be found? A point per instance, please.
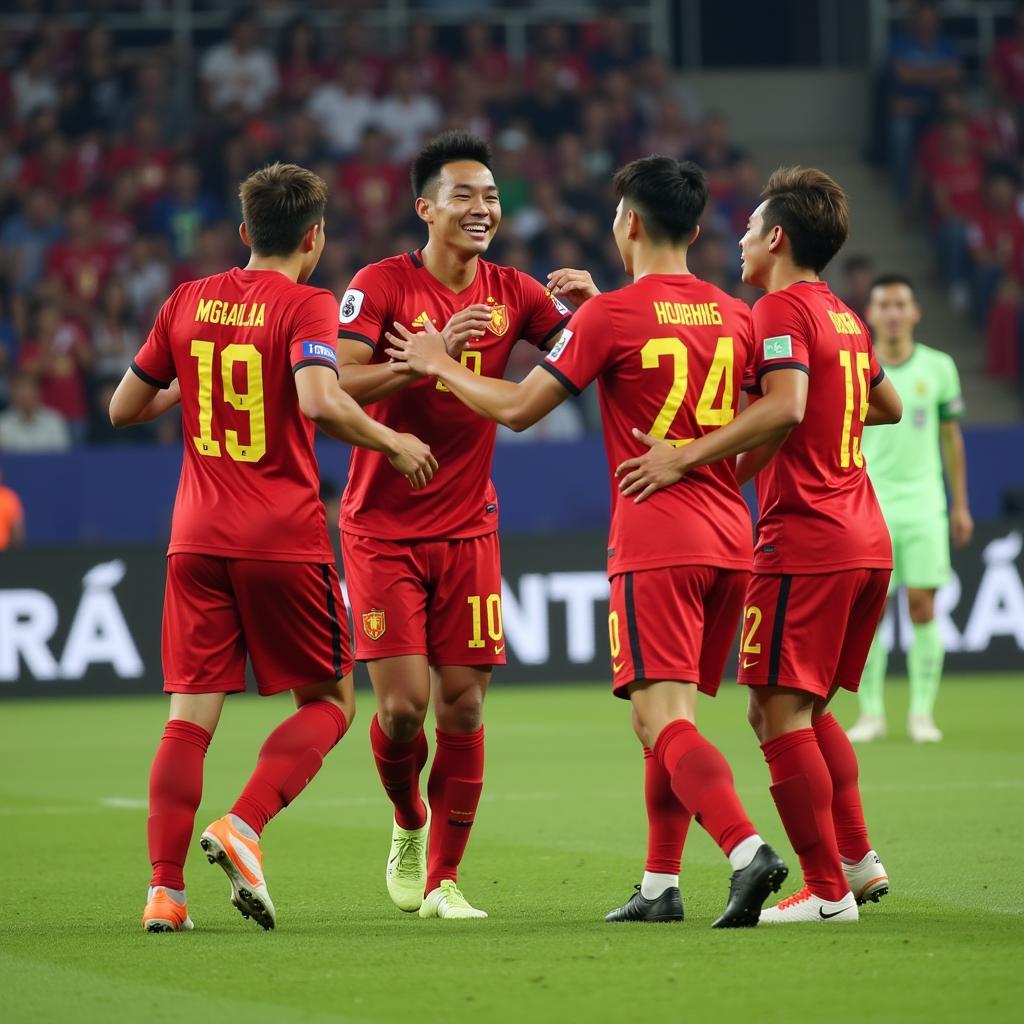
(250, 401)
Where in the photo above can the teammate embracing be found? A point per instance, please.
(669, 350)
(250, 354)
(423, 570)
(822, 559)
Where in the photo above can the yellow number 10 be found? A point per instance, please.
(850, 445)
(249, 402)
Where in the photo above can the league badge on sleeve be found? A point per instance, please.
(374, 623)
(560, 346)
(351, 305)
(780, 347)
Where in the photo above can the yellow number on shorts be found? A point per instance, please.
(249, 402)
(494, 625)
(613, 635)
(851, 448)
(754, 616)
(471, 358)
(719, 377)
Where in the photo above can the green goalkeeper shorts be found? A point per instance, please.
(920, 553)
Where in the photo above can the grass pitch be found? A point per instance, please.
(559, 840)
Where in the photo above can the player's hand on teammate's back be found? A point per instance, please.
(469, 323)
(419, 352)
(413, 460)
(574, 285)
(961, 526)
(660, 466)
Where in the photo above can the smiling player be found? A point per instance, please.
(423, 570)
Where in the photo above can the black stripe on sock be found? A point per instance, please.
(634, 631)
(778, 626)
(332, 611)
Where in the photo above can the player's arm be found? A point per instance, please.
(884, 404)
(139, 401)
(954, 458)
(339, 415)
(516, 406)
(765, 421)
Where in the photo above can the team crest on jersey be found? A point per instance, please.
(499, 320)
(374, 623)
(921, 387)
(351, 305)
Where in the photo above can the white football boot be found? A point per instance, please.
(922, 729)
(448, 902)
(867, 729)
(406, 873)
(867, 879)
(804, 907)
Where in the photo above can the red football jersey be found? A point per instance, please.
(249, 485)
(669, 354)
(460, 500)
(818, 510)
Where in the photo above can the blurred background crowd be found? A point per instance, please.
(119, 166)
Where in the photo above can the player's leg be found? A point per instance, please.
(387, 588)
(293, 618)
(800, 665)
(466, 639)
(203, 659)
(924, 665)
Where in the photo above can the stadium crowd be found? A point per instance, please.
(119, 168)
(956, 161)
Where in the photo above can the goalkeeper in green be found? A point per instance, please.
(905, 463)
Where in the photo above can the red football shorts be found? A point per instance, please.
(439, 598)
(811, 632)
(288, 617)
(677, 623)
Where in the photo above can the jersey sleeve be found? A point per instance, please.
(780, 339)
(364, 311)
(154, 362)
(951, 402)
(545, 315)
(583, 350)
(312, 337)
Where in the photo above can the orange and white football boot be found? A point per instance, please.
(242, 862)
(164, 913)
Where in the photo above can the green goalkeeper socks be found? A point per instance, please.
(872, 680)
(924, 666)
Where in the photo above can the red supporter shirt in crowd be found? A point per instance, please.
(960, 180)
(1008, 67)
(994, 232)
(669, 354)
(249, 482)
(374, 190)
(83, 269)
(818, 510)
(460, 501)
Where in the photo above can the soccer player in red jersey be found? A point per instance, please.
(823, 558)
(250, 571)
(669, 350)
(423, 570)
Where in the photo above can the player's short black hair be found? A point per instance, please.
(888, 280)
(446, 148)
(669, 196)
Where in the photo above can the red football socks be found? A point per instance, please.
(847, 810)
(702, 781)
(667, 819)
(288, 760)
(399, 766)
(453, 789)
(175, 789)
(802, 791)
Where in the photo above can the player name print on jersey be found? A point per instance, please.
(231, 314)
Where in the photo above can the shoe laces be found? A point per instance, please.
(453, 894)
(797, 897)
(407, 860)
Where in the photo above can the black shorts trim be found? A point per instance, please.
(332, 611)
(314, 362)
(789, 364)
(633, 629)
(560, 377)
(356, 336)
(147, 379)
(778, 626)
(556, 330)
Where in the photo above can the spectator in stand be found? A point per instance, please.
(239, 72)
(718, 155)
(26, 238)
(344, 108)
(553, 43)
(34, 85)
(613, 45)
(54, 164)
(151, 96)
(28, 426)
(488, 62)
(301, 142)
(923, 63)
(57, 353)
(143, 150)
(407, 115)
(1007, 64)
(956, 176)
(96, 87)
(995, 232)
(12, 517)
(422, 53)
(115, 335)
(146, 277)
(181, 214)
(374, 186)
(83, 262)
(301, 63)
(548, 109)
(858, 275)
(101, 431)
